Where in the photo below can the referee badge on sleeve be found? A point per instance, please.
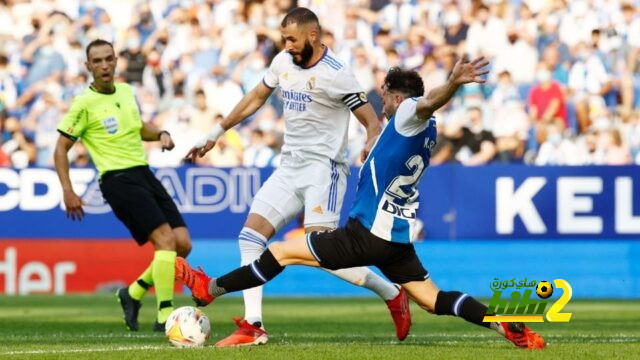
(111, 124)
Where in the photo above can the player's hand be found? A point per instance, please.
(200, 149)
(466, 72)
(73, 204)
(166, 142)
(367, 148)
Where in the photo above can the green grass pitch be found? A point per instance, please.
(48, 327)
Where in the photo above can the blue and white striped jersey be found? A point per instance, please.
(387, 196)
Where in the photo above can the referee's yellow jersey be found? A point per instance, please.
(109, 126)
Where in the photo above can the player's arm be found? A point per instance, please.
(150, 132)
(249, 104)
(72, 202)
(463, 72)
(367, 117)
(346, 88)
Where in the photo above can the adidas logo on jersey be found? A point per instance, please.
(318, 210)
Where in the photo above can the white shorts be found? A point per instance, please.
(318, 185)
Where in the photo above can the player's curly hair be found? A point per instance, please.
(405, 81)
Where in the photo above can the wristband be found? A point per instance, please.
(163, 132)
(217, 131)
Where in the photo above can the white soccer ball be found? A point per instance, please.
(187, 327)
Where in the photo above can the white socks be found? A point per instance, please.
(252, 245)
(365, 277)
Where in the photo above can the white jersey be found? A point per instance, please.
(317, 101)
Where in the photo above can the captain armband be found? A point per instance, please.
(355, 100)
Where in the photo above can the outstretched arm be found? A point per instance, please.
(463, 72)
(249, 104)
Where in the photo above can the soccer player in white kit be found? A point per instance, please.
(318, 92)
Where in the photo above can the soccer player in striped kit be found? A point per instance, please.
(383, 218)
(318, 93)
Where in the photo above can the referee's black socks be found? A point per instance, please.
(248, 276)
(458, 304)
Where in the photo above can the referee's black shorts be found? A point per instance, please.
(353, 245)
(140, 201)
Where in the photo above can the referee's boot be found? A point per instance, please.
(159, 327)
(130, 308)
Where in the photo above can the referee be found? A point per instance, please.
(106, 117)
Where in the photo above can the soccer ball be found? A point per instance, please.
(187, 327)
(544, 289)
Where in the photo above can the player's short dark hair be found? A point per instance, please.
(407, 82)
(300, 16)
(97, 42)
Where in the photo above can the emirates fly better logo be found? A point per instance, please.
(521, 307)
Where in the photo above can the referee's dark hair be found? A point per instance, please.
(407, 82)
(300, 16)
(97, 42)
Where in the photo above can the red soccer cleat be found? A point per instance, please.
(401, 314)
(196, 280)
(246, 334)
(521, 336)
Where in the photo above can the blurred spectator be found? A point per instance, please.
(80, 156)
(552, 60)
(374, 96)
(546, 103)
(201, 116)
(20, 150)
(455, 32)
(258, 153)
(222, 93)
(8, 91)
(190, 62)
(614, 152)
(510, 122)
(157, 78)
(487, 35)
(577, 23)
(588, 83)
(42, 121)
(432, 74)
(517, 57)
(397, 16)
(467, 144)
(505, 89)
(41, 53)
(132, 60)
(556, 150)
(228, 150)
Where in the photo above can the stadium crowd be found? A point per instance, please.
(564, 87)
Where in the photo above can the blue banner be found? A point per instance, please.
(489, 202)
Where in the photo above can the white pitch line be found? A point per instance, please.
(74, 351)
